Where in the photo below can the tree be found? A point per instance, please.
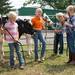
(32, 2)
(4, 6)
(59, 4)
(56, 4)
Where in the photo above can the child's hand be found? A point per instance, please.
(68, 25)
(2, 31)
(55, 30)
(15, 40)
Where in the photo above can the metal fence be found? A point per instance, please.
(47, 34)
(49, 37)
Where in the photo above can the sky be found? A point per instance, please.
(17, 3)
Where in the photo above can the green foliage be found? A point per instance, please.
(5, 6)
(59, 4)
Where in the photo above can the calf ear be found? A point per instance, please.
(26, 20)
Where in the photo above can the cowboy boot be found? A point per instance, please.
(73, 59)
(70, 57)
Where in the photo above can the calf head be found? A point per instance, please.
(24, 26)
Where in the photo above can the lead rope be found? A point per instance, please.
(17, 43)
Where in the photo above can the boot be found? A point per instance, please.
(70, 57)
(73, 59)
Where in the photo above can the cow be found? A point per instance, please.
(24, 26)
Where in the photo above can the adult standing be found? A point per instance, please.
(71, 34)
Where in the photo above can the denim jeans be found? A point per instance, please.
(38, 36)
(15, 46)
(74, 37)
(58, 40)
(71, 41)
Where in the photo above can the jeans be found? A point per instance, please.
(15, 46)
(58, 40)
(38, 36)
(74, 37)
(71, 41)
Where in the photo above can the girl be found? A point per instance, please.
(12, 27)
(38, 25)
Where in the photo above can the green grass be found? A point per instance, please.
(53, 65)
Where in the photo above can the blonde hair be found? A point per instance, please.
(12, 14)
(70, 7)
(39, 9)
(59, 14)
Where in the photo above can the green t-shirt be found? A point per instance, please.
(57, 26)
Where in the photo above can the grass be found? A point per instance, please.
(53, 65)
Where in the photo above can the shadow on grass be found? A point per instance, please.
(51, 68)
(4, 67)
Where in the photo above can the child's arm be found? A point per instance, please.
(66, 24)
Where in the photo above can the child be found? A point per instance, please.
(58, 38)
(38, 26)
(12, 27)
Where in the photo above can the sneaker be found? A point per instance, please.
(13, 67)
(43, 59)
(39, 60)
(22, 67)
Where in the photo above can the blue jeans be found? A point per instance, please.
(74, 37)
(71, 41)
(15, 46)
(58, 40)
(39, 36)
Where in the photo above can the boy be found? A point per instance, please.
(58, 38)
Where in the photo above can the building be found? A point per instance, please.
(73, 1)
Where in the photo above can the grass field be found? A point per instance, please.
(53, 65)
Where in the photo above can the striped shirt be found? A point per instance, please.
(13, 29)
